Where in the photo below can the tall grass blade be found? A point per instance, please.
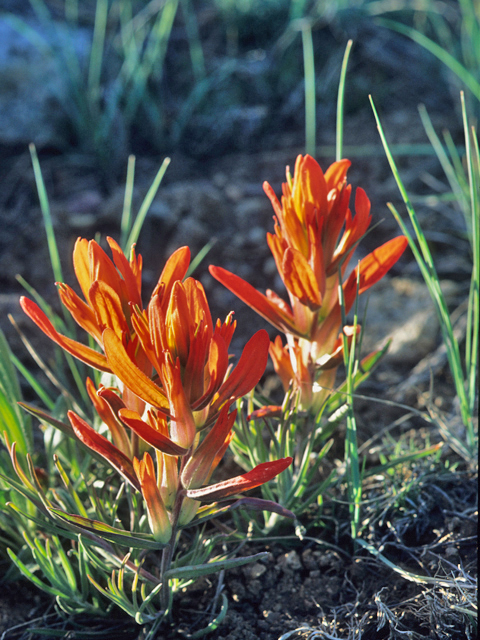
(71, 11)
(153, 57)
(201, 255)
(140, 219)
(341, 102)
(55, 259)
(126, 223)
(34, 384)
(194, 43)
(12, 420)
(418, 579)
(454, 173)
(464, 75)
(472, 342)
(41, 10)
(96, 53)
(310, 93)
(47, 218)
(352, 466)
(425, 262)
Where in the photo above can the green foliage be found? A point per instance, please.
(464, 372)
(451, 33)
(13, 422)
(70, 525)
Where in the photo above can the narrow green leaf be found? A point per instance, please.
(11, 423)
(43, 416)
(145, 206)
(111, 534)
(438, 51)
(34, 384)
(341, 101)
(70, 488)
(96, 52)
(201, 255)
(181, 573)
(8, 378)
(408, 575)
(109, 593)
(310, 94)
(425, 262)
(126, 222)
(31, 576)
(47, 218)
(380, 469)
(214, 624)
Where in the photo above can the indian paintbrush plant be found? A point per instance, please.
(315, 236)
(134, 452)
(167, 407)
(117, 510)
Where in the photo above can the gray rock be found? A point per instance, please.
(401, 309)
(189, 231)
(290, 561)
(34, 89)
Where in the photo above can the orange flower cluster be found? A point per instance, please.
(176, 386)
(315, 237)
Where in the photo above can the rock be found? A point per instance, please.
(290, 561)
(249, 212)
(254, 571)
(35, 87)
(81, 210)
(256, 236)
(401, 309)
(189, 231)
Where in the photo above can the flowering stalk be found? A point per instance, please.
(315, 236)
(169, 415)
(314, 240)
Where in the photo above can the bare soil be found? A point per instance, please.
(321, 584)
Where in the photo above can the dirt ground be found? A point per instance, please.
(322, 586)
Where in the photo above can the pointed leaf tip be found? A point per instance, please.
(259, 475)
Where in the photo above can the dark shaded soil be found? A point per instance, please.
(320, 584)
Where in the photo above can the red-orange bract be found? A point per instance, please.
(175, 386)
(315, 237)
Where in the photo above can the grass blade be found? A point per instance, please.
(438, 51)
(425, 262)
(12, 419)
(140, 219)
(47, 218)
(34, 384)
(471, 348)
(126, 222)
(341, 101)
(96, 53)
(310, 97)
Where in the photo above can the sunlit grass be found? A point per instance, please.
(464, 373)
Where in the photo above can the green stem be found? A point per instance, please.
(168, 551)
(309, 73)
(341, 101)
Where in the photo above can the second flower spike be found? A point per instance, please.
(314, 239)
